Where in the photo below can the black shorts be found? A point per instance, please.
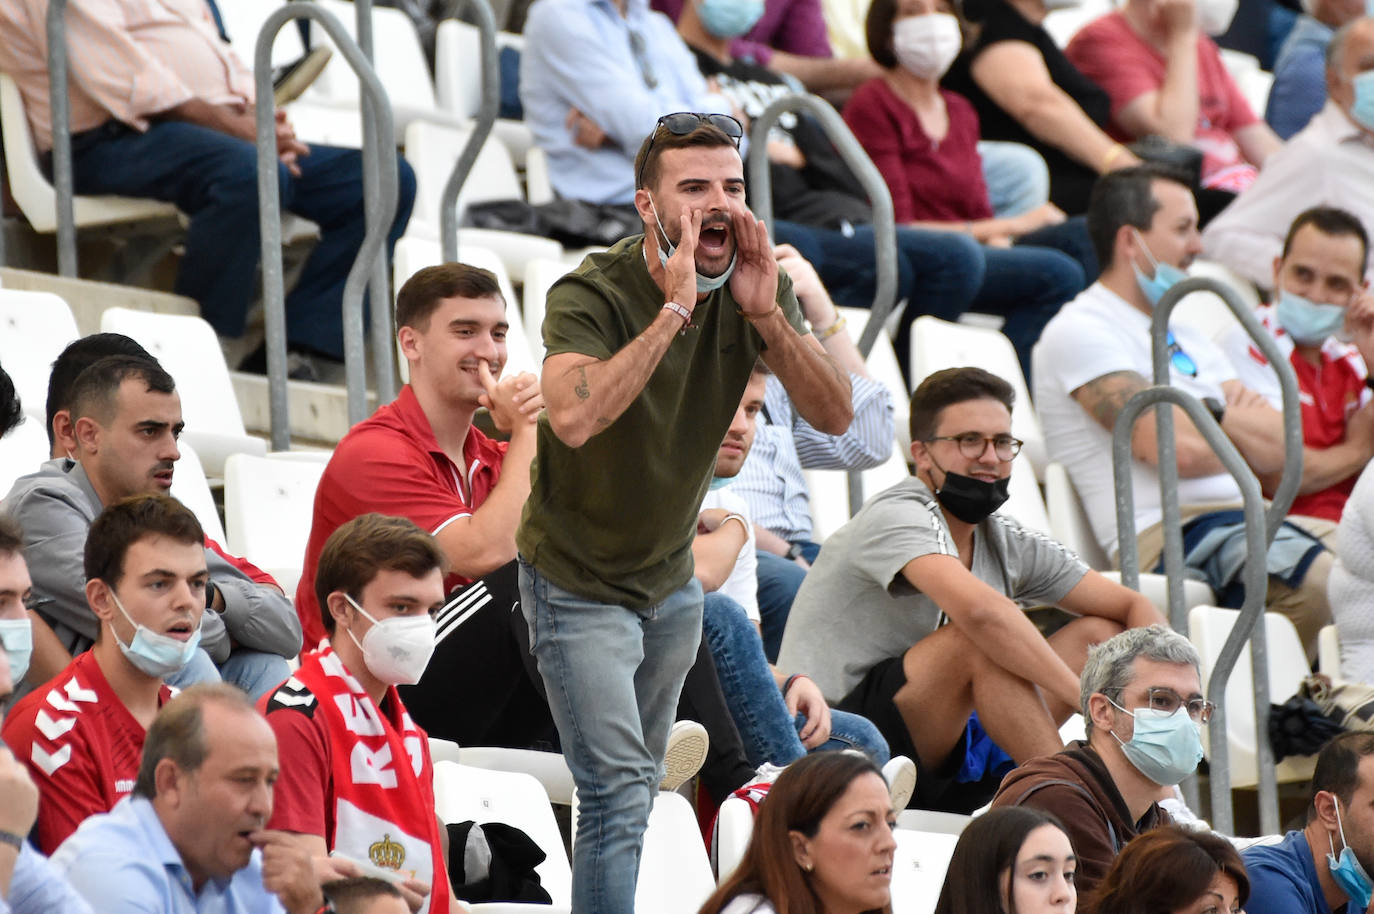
(937, 787)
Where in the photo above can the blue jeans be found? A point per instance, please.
(613, 676)
(256, 672)
(212, 177)
(769, 732)
(200, 668)
(1017, 177)
(1027, 285)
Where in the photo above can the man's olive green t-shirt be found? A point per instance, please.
(613, 520)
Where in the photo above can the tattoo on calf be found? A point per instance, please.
(581, 388)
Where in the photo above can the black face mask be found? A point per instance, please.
(972, 500)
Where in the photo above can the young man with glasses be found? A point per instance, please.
(650, 345)
(1095, 354)
(1142, 703)
(912, 615)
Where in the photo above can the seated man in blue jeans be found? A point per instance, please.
(162, 108)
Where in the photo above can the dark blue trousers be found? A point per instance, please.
(212, 177)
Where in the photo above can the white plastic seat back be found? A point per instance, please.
(1207, 313)
(550, 768)
(937, 344)
(462, 792)
(458, 67)
(734, 825)
(188, 349)
(414, 254)
(930, 820)
(432, 149)
(540, 275)
(1069, 521)
(190, 487)
(268, 509)
(1208, 627)
(674, 872)
(1329, 651)
(22, 451)
(883, 366)
(34, 192)
(918, 869)
(34, 329)
(243, 21)
(1025, 503)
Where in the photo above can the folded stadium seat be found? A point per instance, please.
(34, 329)
(463, 792)
(458, 81)
(1208, 628)
(22, 450)
(1069, 524)
(188, 348)
(918, 868)
(192, 489)
(674, 872)
(1329, 651)
(549, 768)
(268, 509)
(412, 254)
(540, 275)
(734, 825)
(937, 344)
(431, 150)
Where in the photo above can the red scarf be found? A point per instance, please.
(383, 778)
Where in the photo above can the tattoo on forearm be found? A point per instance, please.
(1105, 397)
(581, 388)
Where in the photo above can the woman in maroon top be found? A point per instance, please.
(924, 142)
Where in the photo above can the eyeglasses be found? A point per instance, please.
(972, 445)
(1182, 362)
(1167, 701)
(684, 122)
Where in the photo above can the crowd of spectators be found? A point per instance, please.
(616, 559)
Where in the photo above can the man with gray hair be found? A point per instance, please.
(1142, 704)
(1328, 163)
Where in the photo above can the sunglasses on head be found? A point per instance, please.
(683, 123)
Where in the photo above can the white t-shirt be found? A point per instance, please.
(743, 584)
(1096, 334)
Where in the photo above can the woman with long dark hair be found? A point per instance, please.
(822, 843)
(1013, 860)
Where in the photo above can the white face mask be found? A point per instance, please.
(396, 650)
(926, 45)
(1214, 16)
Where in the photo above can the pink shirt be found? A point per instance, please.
(929, 181)
(1110, 53)
(128, 59)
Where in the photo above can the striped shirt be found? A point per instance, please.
(771, 479)
(129, 60)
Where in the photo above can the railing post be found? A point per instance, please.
(1251, 613)
(481, 128)
(379, 180)
(60, 111)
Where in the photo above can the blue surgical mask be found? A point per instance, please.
(729, 18)
(704, 283)
(156, 654)
(16, 638)
(1362, 111)
(1308, 323)
(720, 482)
(1348, 871)
(1166, 275)
(1164, 747)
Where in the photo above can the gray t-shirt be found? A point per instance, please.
(855, 608)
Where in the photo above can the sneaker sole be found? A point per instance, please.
(902, 787)
(299, 79)
(683, 759)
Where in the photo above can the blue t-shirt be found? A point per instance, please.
(1283, 879)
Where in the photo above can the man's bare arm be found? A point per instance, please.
(584, 394)
(1105, 397)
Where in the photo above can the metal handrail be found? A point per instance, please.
(379, 182)
(60, 113)
(884, 223)
(1257, 540)
(1252, 612)
(481, 129)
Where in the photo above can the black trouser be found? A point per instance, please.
(482, 688)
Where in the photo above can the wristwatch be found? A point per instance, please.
(210, 591)
(794, 552)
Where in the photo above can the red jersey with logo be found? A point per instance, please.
(80, 744)
(392, 464)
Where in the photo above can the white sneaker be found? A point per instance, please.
(686, 752)
(900, 774)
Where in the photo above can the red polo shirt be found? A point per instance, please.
(391, 464)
